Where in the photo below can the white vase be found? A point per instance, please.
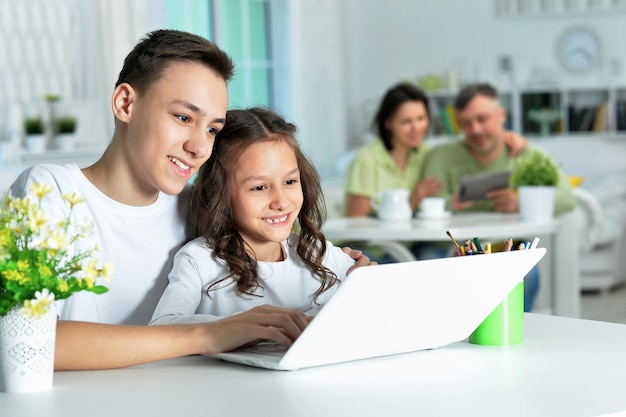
(536, 203)
(27, 351)
(36, 143)
(65, 141)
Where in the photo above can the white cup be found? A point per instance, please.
(433, 206)
(392, 205)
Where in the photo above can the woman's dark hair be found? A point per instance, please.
(158, 50)
(395, 96)
(212, 207)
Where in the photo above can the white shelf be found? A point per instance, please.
(14, 162)
(58, 157)
(578, 107)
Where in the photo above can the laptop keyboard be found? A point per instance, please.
(265, 348)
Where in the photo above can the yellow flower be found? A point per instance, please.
(33, 310)
(5, 237)
(44, 271)
(40, 305)
(13, 275)
(35, 253)
(62, 286)
(44, 297)
(22, 265)
(37, 219)
(107, 271)
(7, 202)
(20, 205)
(88, 282)
(90, 270)
(40, 189)
(58, 240)
(73, 199)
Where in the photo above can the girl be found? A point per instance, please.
(247, 199)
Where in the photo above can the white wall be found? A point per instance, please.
(316, 84)
(386, 41)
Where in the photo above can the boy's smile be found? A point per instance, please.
(171, 128)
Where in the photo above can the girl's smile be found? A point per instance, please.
(266, 196)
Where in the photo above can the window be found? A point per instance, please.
(242, 29)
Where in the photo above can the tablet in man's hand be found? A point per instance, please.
(474, 187)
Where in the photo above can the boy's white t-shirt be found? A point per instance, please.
(140, 242)
(289, 283)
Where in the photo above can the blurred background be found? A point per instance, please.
(322, 63)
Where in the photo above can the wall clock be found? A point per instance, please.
(578, 49)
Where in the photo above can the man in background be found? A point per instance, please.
(481, 117)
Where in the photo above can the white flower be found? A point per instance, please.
(40, 305)
(44, 296)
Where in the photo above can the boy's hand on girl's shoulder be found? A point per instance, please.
(360, 259)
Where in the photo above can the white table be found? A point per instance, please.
(560, 286)
(461, 226)
(565, 367)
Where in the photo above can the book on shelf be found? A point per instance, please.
(454, 123)
(587, 119)
(573, 118)
(620, 115)
(447, 127)
(601, 122)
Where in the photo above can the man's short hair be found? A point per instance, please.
(468, 93)
(158, 50)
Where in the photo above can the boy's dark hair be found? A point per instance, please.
(395, 96)
(159, 49)
(468, 93)
(211, 199)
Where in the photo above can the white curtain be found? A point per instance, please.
(109, 30)
(316, 88)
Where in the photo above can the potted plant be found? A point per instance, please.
(39, 266)
(535, 176)
(33, 126)
(35, 138)
(65, 128)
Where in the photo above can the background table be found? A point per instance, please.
(560, 279)
(565, 367)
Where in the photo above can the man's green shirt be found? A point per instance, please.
(451, 161)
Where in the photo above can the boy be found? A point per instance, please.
(169, 102)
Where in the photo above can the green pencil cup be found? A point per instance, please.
(505, 324)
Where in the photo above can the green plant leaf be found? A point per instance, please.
(534, 168)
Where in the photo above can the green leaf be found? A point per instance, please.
(535, 168)
(99, 289)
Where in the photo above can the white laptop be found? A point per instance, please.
(396, 308)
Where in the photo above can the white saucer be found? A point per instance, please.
(433, 216)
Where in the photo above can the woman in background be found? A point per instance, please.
(395, 160)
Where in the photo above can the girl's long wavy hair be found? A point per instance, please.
(212, 208)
